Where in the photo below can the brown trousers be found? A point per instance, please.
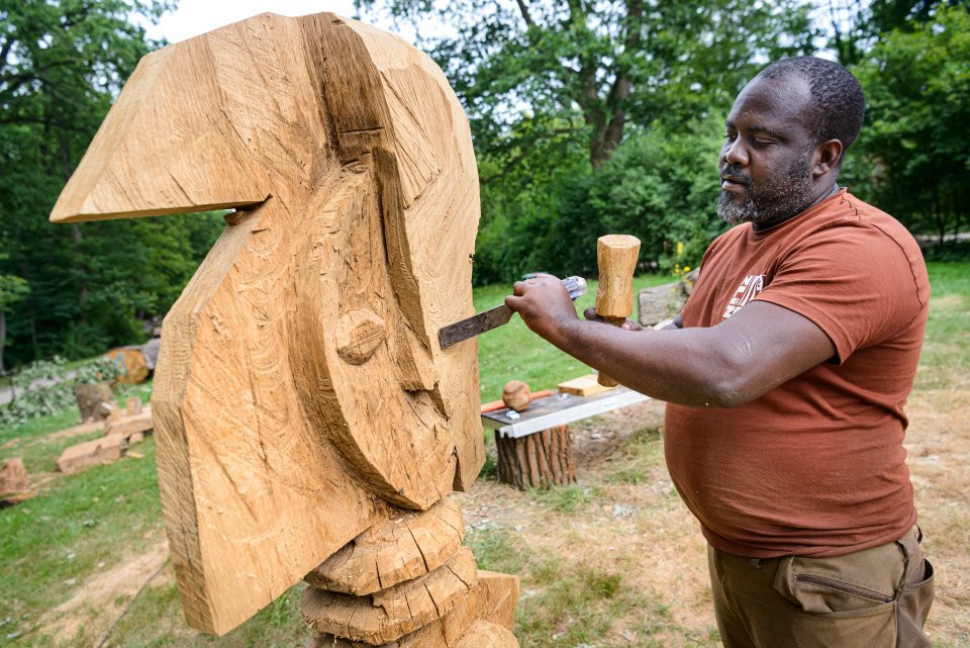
(874, 598)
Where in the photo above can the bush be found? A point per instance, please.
(47, 387)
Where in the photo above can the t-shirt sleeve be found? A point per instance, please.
(854, 282)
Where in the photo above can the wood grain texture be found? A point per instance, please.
(492, 600)
(390, 614)
(384, 556)
(300, 394)
(616, 256)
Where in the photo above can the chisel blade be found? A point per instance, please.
(495, 317)
(474, 325)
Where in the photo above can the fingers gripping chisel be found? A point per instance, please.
(495, 317)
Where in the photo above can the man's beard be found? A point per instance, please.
(772, 201)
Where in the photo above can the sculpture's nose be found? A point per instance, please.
(148, 158)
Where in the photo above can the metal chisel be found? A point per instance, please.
(495, 317)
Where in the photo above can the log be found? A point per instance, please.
(492, 600)
(395, 612)
(300, 394)
(405, 548)
(92, 453)
(13, 477)
(516, 395)
(91, 399)
(616, 256)
(537, 460)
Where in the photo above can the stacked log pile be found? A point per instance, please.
(408, 583)
(122, 429)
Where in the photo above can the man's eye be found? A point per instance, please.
(762, 143)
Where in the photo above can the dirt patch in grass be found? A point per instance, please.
(100, 599)
(625, 521)
(614, 560)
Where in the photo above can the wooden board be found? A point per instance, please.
(583, 386)
(300, 393)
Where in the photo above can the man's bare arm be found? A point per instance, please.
(762, 346)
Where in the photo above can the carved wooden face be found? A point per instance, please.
(300, 391)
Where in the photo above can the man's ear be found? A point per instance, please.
(828, 155)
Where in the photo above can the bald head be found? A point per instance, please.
(837, 103)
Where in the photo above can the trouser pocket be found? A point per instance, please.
(915, 595)
(844, 600)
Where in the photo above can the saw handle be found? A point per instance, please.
(616, 256)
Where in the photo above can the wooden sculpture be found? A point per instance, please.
(302, 403)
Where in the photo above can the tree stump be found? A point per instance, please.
(90, 398)
(536, 460)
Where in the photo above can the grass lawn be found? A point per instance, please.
(59, 549)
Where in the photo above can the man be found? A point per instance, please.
(785, 379)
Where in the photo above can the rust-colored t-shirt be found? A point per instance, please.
(814, 467)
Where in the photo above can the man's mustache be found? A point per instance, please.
(734, 174)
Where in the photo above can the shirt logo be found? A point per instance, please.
(748, 290)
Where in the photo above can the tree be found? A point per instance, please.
(12, 290)
(597, 66)
(62, 63)
(914, 151)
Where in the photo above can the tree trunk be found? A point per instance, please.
(537, 460)
(3, 339)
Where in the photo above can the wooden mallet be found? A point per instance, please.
(616, 256)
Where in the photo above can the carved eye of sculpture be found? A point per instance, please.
(300, 387)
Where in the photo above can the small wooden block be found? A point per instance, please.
(92, 453)
(583, 386)
(13, 477)
(493, 600)
(399, 550)
(128, 425)
(394, 613)
(133, 406)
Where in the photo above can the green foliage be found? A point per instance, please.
(913, 155)
(46, 387)
(661, 186)
(91, 284)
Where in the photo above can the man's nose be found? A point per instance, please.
(734, 153)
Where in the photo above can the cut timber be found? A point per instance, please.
(133, 406)
(300, 390)
(92, 453)
(13, 477)
(91, 398)
(536, 460)
(616, 256)
(583, 386)
(402, 549)
(127, 425)
(492, 599)
(393, 613)
(516, 395)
